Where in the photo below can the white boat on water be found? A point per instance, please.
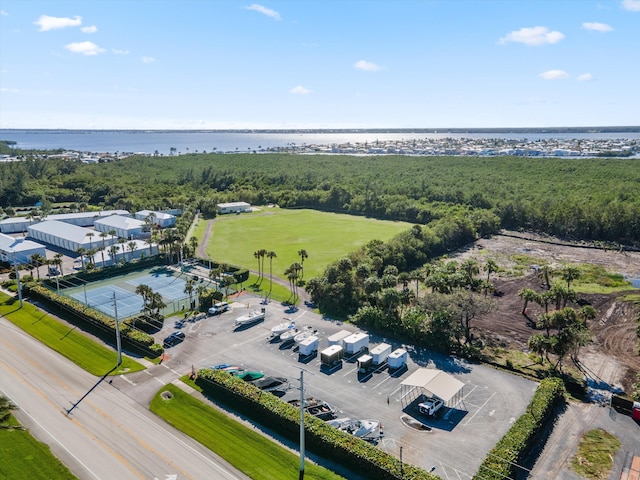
(249, 318)
(281, 328)
(357, 428)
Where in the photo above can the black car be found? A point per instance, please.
(173, 339)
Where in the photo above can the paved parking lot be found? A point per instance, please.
(456, 441)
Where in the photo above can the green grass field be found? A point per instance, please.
(325, 236)
(22, 457)
(232, 440)
(80, 349)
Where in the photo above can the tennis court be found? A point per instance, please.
(102, 299)
(169, 283)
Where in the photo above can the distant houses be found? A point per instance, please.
(18, 250)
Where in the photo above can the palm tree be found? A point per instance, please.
(570, 274)
(527, 295)
(271, 255)
(121, 242)
(113, 253)
(57, 261)
(132, 247)
(303, 255)
(188, 289)
(256, 254)
(37, 260)
(90, 235)
(544, 273)
(103, 235)
(193, 242)
(81, 251)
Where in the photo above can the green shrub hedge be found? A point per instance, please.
(131, 336)
(510, 451)
(322, 439)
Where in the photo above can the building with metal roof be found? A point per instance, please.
(15, 224)
(69, 237)
(125, 227)
(85, 219)
(165, 220)
(233, 207)
(19, 250)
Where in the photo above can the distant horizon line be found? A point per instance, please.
(440, 130)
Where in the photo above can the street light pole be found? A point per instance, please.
(115, 309)
(15, 264)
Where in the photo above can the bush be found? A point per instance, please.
(322, 439)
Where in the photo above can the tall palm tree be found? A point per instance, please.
(256, 254)
(188, 289)
(121, 242)
(90, 235)
(490, 267)
(37, 260)
(113, 253)
(132, 247)
(81, 251)
(527, 295)
(303, 256)
(103, 236)
(271, 255)
(570, 274)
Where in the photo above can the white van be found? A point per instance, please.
(218, 308)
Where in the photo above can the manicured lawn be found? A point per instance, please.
(22, 457)
(594, 457)
(77, 347)
(325, 236)
(245, 449)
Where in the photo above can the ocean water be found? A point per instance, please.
(149, 142)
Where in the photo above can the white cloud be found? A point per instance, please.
(554, 75)
(9, 90)
(91, 29)
(631, 5)
(116, 51)
(147, 59)
(585, 77)
(597, 26)
(300, 90)
(84, 48)
(3, 13)
(264, 10)
(45, 22)
(366, 66)
(533, 36)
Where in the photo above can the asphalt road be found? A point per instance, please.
(94, 428)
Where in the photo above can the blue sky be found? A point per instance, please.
(196, 64)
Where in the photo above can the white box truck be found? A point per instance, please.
(337, 338)
(380, 353)
(308, 346)
(397, 359)
(355, 343)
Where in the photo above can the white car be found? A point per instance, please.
(218, 307)
(430, 406)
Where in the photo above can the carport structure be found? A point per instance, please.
(431, 382)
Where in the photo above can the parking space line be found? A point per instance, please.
(480, 408)
(388, 378)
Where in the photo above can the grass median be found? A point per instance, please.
(22, 457)
(68, 341)
(245, 449)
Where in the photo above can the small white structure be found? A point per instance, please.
(69, 237)
(308, 346)
(19, 250)
(380, 353)
(356, 343)
(125, 227)
(164, 220)
(338, 338)
(432, 382)
(123, 253)
(331, 356)
(233, 207)
(397, 359)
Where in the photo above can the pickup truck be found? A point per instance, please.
(430, 406)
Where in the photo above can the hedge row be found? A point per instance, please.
(320, 438)
(134, 337)
(503, 460)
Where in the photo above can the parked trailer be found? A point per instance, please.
(365, 363)
(338, 338)
(356, 343)
(397, 359)
(331, 356)
(308, 346)
(380, 353)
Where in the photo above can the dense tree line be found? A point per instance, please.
(579, 198)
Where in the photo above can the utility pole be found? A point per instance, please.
(301, 476)
(119, 347)
(15, 264)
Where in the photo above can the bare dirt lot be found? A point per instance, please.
(613, 355)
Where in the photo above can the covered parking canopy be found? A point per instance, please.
(431, 381)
